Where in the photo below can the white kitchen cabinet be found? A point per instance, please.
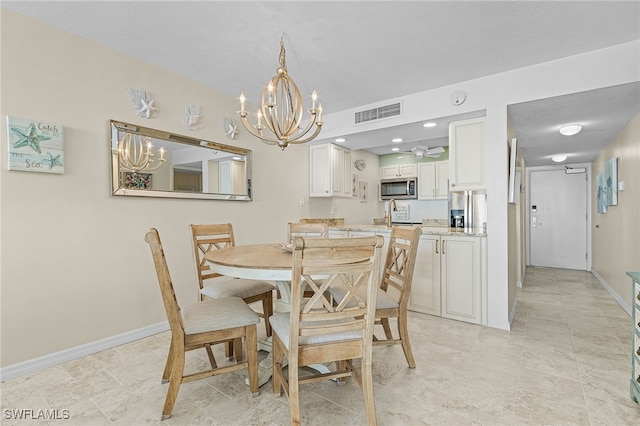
(461, 279)
(330, 171)
(449, 279)
(425, 287)
(466, 155)
(433, 180)
(399, 170)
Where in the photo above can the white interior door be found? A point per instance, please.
(558, 219)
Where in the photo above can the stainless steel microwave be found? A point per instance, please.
(399, 189)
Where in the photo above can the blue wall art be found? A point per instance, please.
(35, 146)
(611, 181)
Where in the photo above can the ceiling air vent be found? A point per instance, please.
(378, 113)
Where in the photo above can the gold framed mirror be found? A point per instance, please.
(152, 163)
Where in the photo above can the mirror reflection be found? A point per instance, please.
(152, 163)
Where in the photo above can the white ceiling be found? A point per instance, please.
(358, 53)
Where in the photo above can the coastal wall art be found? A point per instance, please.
(35, 146)
(611, 181)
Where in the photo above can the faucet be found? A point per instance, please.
(395, 209)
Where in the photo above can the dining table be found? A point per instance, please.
(268, 262)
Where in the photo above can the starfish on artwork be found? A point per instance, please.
(31, 139)
(142, 102)
(53, 161)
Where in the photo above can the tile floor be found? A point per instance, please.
(565, 362)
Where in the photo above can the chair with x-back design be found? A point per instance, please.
(395, 287)
(214, 285)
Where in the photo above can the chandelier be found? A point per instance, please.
(135, 154)
(281, 111)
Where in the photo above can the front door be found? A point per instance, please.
(558, 219)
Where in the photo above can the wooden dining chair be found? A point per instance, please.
(319, 331)
(212, 285)
(204, 322)
(307, 230)
(393, 293)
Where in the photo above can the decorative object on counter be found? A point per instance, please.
(363, 192)
(360, 164)
(137, 180)
(611, 181)
(281, 108)
(192, 116)
(35, 146)
(230, 128)
(142, 102)
(136, 155)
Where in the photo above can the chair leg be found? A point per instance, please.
(267, 308)
(387, 328)
(276, 354)
(251, 343)
(367, 390)
(404, 338)
(167, 366)
(177, 370)
(294, 395)
(237, 349)
(228, 349)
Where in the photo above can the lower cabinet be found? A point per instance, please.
(449, 279)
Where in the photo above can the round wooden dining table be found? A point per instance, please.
(267, 262)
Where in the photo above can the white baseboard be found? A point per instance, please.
(612, 292)
(513, 312)
(36, 364)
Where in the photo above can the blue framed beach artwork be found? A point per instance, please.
(601, 195)
(611, 181)
(35, 146)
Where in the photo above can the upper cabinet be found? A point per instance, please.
(433, 180)
(466, 155)
(330, 171)
(399, 170)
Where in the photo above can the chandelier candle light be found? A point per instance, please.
(135, 156)
(282, 111)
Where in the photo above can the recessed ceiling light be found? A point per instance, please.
(340, 140)
(559, 158)
(430, 124)
(395, 149)
(396, 140)
(570, 129)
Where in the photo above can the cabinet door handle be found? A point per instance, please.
(433, 193)
(437, 246)
(453, 184)
(443, 247)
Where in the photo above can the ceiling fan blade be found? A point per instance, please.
(436, 150)
(432, 155)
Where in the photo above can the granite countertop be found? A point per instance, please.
(426, 230)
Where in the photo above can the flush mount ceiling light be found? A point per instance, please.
(430, 124)
(340, 140)
(559, 158)
(570, 129)
(282, 109)
(395, 149)
(396, 140)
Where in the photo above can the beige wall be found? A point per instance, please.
(616, 234)
(75, 267)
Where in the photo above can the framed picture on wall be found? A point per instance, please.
(35, 146)
(611, 181)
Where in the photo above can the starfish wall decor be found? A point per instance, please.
(143, 103)
(35, 146)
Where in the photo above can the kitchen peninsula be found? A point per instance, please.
(450, 276)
